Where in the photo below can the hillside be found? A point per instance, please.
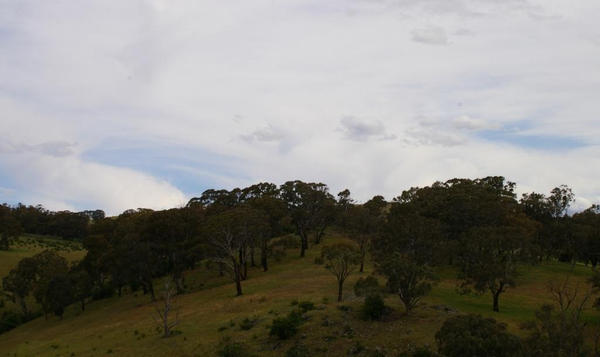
(210, 312)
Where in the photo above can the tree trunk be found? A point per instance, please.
(496, 295)
(252, 264)
(238, 282)
(83, 304)
(340, 286)
(263, 258)
(304, 245)
(362, 264)
(179, 282)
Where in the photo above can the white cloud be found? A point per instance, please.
(68, 182)
(209, 75)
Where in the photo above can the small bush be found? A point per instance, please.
(367, 286)
(344, 308)
(306, 306)
(248, 323)
(228, 348)
(373, 308)
(286, 327)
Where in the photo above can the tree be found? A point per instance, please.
(173, 234)
(19, 283)
(81, 283)
(361, 225)
(50, 270)
(10, 228)
(408, 278)
(59, 294)
(341, 259)
(587, 233)
(165, 309)
(309, 205)
(264, 197)
(559, 329)
(473, 335)
(490, 258)
(229, 233)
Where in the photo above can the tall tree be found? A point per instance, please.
(361, 225)
(229, 233)
(491, 255)
(341, 259)
(309, 205)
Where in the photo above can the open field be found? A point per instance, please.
(210, 312)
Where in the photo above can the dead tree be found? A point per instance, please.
(165, 308)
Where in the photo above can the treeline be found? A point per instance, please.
(479, 226)
(19, 219)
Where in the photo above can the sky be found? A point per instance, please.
(118, 104)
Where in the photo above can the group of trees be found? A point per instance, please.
(20, 219)
(229, 230)
(478, 226)
(48, 278)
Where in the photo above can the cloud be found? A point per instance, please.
(67, 182)
(430, 35)
(172, 82)
(265, 134)
(465, 122)
(51, 148)
(362, 130)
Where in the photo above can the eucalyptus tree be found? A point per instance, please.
(310, 207)
(341, 259)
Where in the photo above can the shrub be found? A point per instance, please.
(229, 348)
(306, 306)
(286, 327)
(473, 335)
(373, 308)
(367, 286)
(248, 323)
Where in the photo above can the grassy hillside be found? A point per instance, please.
(29, 245)
(124, 326)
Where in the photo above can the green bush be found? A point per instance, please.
(473, 335)
(373, 308)
(286, 327)
(228, 348)
(306, 306)
(367, 286)
(248, 323)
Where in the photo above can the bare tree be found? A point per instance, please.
(164, 309)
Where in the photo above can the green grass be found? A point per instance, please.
(125, 327)
(29, 245)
